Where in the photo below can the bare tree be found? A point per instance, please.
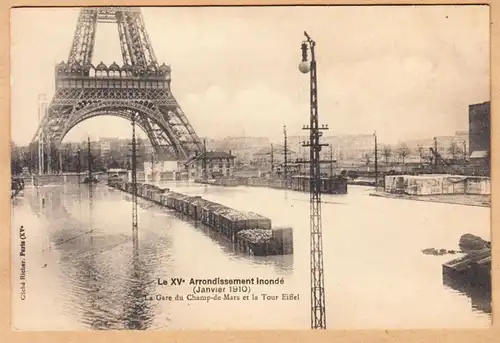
(367, 158)
(421, 152)
(403, 151)
(387, 153)
(15, 159)
(455, 150)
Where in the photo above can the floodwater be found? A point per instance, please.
(86, 270)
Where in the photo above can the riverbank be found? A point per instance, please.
(457, 199)
(300, 183)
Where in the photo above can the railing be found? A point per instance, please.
(111, 82)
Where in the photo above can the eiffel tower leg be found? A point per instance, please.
(139, 86)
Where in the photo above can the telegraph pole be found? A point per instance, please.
(376, 160)
(318, 314)
(435, 153)
(272, 160)
(152, 167)
(135, 225)
(285, 164)
(49, 157)
(331, 161)
(78, 165)
(204, 161)
(89, 161)
(465, 153)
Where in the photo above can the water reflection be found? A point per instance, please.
(137, 313)
(480, 295)
(98, 273)
(104, 294)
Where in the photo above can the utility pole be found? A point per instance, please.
(135, 224)
(204, 162)
(78, 165)
(272, 160)
(318, 314)
(435, 153)
(49, 157)
(465, 153)
(376, 160)
(152, 167)
(331, 161)
(285, 164)
(89, 161)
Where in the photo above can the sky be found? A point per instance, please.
(407, 72)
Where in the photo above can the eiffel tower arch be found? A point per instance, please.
(139, 87)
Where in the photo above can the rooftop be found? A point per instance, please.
(210, 155)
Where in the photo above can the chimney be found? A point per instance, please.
(229, 152)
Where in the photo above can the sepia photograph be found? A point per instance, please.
(250, 167)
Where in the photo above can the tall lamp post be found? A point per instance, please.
(376, 161)
(318, 315)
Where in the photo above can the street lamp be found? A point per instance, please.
(318, 315)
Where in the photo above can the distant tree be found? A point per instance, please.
(27, 161)
(367, 158)
(403, 151)
(421, 152)
(387, 153)
(455, 150)
(15, 159)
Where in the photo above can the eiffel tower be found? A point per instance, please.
(140, 87)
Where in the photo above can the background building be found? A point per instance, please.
(218, 164)
(479, 129)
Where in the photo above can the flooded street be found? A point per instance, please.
(84, 270)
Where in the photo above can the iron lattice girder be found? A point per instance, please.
(166, 123)
(138, 87)
(318, 313)
(134, 40)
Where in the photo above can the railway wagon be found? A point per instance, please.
(157, 194)
(258, 242)
(219, 216)
(208, 215)
(140, 189)
(201, 207)
(184, 202)
(171, 199)
(232, 221)
(143, 190)
(147, 190)
(164, 196)
(283, 236)
(193, 205)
